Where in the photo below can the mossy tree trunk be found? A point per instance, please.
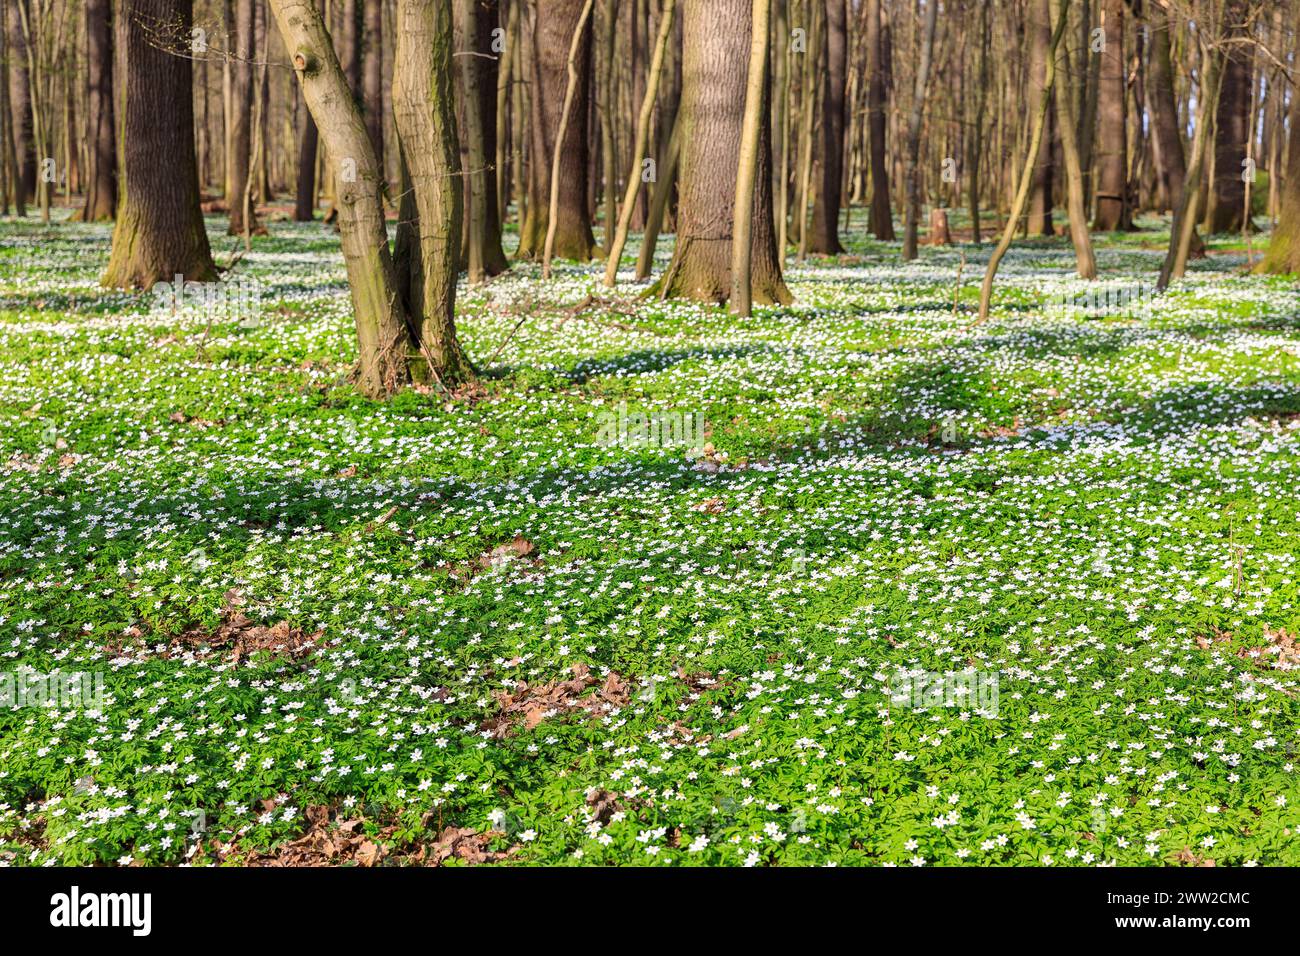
(159, 232)
(403, 317)
(1284, 246)
(554, 25)
(715, 68)
(424, 108)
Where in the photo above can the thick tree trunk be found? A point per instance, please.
(101, 192)
(1232, 127)
(555, 24)
(242, 74)
(715, 61)
(882, 217)
(1284, 246)
(1111, 158)
(476, 69)
(825, 236)
(159, 232)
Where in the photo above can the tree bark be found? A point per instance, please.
(827, 200)
(1076, 203)
(373, 78)
(752, 124)
(159, 232)
(476, 69)
(715, 59)
(913, 211)
(1039, 24)
(1284, 245)
(101, 192)
(555, 24)
(241, 118)
(20, 98)
(882, 217)
(1226, 211)
(1111, 158)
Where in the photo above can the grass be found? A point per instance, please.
(470, 631)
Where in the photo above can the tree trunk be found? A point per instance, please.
(913, 211)
(826, 202)
(101, 192)
(304, 209)
(1076, 202)
(159, 232)
(476, 68)
(615, 252)
(715, 60)
(976, 154)
(555, 24)
(241, 118)
(377, 305)
(424, 106)
(1112, 137)
(752, 125)
(373, 79)
(882, 217)
(20, 98)
(1039, 24)
(1027, 173)
(1284, 245)
(1232, 127)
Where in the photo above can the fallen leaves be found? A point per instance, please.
(246, 637)
(556, 698)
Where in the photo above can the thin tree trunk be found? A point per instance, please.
(639, 146)
(742, 301)
(1027, 173)
(913, 208)
(101, 193)
(477, 72)
(1086, 261)
(241, 123)
(882, 217)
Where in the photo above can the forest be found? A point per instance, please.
(649, 433)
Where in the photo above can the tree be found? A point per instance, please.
(913, 210)
(1076, 204)
(403, 303)
(1284, 246)
(1226, 209)
(20, 99)
(159, 232)
(101, 192)
(1039, 25)
(1164, 113)
(555, 27)
(715, 71)
(830, 175)
(477, 74)
(1027, 173)
(742, 301)
(243, 217)
(882, 217)
(1113, 210)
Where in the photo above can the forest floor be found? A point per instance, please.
(937, 592)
